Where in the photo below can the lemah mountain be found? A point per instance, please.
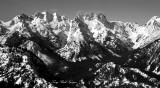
(47, 50)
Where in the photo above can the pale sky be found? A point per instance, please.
(139, 11)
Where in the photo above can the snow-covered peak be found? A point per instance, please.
(56, 17)
(95, 16)
(47, 16)
(21, 18)
(154, 18)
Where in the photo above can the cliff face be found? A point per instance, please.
(89, 51)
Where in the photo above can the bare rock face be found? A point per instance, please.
(48, 50)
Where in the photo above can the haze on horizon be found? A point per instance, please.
(139, 11)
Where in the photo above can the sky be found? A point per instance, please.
(139, 11)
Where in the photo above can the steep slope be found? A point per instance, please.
(87, 51)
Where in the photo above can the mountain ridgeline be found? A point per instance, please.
(47, 50)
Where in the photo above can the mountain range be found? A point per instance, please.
(47, 50)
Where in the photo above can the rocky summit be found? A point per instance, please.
(47, 50)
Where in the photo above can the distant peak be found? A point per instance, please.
(92, 16)
(57, 17)
(154, 18)
(47, 16)
(22, 17)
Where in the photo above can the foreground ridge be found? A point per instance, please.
(50, 50)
